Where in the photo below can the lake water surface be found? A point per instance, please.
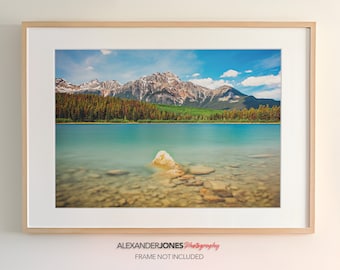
(245, 159)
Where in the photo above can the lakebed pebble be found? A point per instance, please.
(172, 185)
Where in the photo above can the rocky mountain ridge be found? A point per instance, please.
(167, 88)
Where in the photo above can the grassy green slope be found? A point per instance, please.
(184, 110)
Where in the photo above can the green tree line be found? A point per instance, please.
(91, 108)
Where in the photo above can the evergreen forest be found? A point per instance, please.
(95, 108)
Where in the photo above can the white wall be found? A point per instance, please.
(317, 251)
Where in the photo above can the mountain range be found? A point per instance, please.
(167, 88)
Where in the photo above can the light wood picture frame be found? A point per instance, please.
(46, 45)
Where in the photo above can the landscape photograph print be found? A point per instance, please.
(167, 128)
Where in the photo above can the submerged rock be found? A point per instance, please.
(218, 188)
(174, 173)
(234, 166)
(230, 200)
(201, 170)
(187, 177)
(261, 156)
(212, 198)
(116, 172)
(215, 185)
(94, 175)
(194, 183)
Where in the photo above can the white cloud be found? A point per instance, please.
(105, 51)
(248, 71)
(210, 83)
(262, 80)
(195, 75)
(274, 94)
(89, 68)
(230, 73)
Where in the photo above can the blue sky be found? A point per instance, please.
(253, 72)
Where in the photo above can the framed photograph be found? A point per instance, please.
(168, 127)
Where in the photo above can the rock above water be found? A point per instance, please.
(116, 172)
(170, 169)
(200, 170)
(164, 160)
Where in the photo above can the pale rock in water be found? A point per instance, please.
(171, 169)
(164, 160)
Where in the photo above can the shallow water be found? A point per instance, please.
(245, 159)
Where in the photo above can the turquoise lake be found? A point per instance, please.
(245, 159)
